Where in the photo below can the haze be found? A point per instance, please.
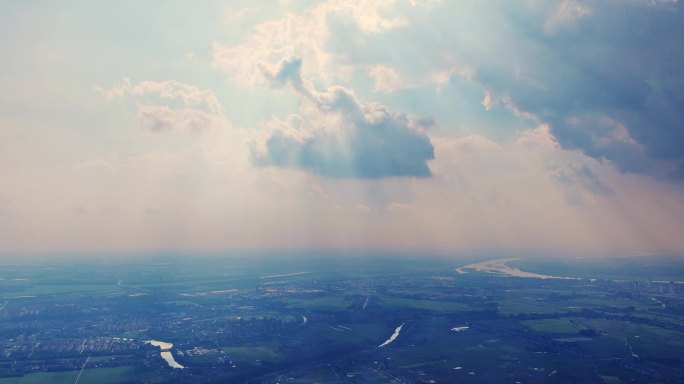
(453, 126)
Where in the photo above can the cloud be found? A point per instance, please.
(538, 138)
(157, 118)
(532, 194)
(577, 180)
(424, 2)
(587, 69)
(610, 88)
(387, 79)
(338, 136)
(307, 35)
(371, 16)
(581, 106)
(168, 105)
(567, 13)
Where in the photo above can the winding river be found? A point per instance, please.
(166, 353)
(393, 337)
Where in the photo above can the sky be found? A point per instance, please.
(504, 126)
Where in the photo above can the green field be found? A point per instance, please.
(424, 305)
(646, 341)
(328, 326)
(514, 306)
(563, 326)
(349, 334)
(252, 353)
(329, 303)
(57, 289)
(90, 376)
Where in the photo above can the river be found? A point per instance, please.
(166, 353)
(393, 337)
(499, 266)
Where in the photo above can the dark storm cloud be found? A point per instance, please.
(340, 137)
(609, 83)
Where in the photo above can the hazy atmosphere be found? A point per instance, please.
(548, 127)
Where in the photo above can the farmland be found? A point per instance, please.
(268, 320)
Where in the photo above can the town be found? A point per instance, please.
(266, 320)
